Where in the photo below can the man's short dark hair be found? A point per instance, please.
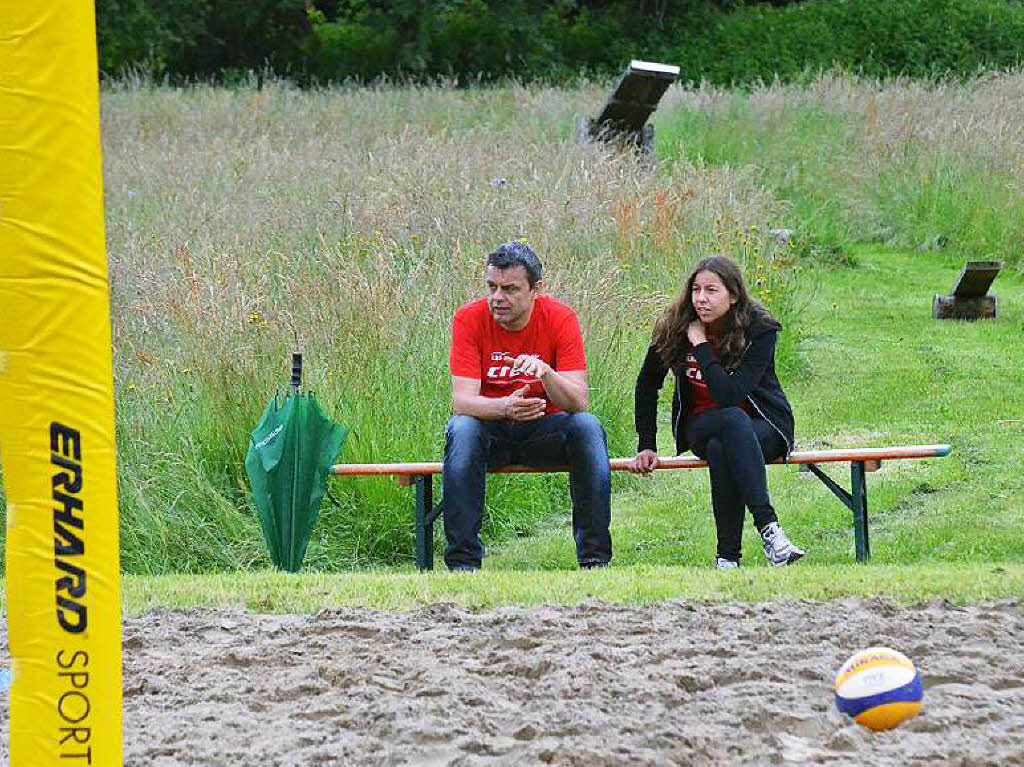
(512, 254)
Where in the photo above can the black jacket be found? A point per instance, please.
(753, 380)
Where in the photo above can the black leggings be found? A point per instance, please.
(736, 447)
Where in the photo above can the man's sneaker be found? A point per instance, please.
(726, 564)
(778, 549)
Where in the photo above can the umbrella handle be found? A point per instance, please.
(296, 370)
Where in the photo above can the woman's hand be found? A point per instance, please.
(645, 462)
(696, 333)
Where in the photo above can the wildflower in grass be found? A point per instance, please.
(255, 318)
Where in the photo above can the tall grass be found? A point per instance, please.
(916, 164)
(351, 224)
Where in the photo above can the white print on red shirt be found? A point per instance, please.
(693, 371)
(507, 373)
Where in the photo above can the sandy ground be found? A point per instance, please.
(597, 685)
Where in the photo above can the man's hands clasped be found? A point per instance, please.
(519, 407)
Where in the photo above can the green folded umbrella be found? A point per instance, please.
(289, 457)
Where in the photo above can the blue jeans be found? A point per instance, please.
(473, 445)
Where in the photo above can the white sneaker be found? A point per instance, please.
(726, 564)
(778, 549)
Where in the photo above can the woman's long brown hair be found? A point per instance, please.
(670, 331)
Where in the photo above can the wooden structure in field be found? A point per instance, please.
(623, 119)
(970, 299)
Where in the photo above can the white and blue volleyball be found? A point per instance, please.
(879, 687)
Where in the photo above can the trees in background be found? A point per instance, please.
(722, 41)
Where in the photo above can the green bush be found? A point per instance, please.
(720, 41)
(877, 38)
(190, 38)
(341, 51)
(137, 33)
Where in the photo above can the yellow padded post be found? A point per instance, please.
(56, 393)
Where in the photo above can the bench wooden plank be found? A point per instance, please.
(975, 278)
(866, 454)
(970, 299)
(636, 96)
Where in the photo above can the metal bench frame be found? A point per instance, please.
(861, 460)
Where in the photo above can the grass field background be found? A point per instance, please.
(350, 223)
(877, 371)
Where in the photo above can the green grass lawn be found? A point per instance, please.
(641, 584)
(377, 203)
(875, 370)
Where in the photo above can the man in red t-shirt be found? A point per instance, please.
(519, 393)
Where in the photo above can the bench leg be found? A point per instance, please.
(424, 522)
(856, 501)
(859, 486)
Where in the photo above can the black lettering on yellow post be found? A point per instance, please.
(56, 394)
(68, 527)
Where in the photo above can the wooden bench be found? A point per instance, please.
(861, 460)
(623, 119)
(970, 299)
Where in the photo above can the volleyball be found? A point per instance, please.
(879, 688)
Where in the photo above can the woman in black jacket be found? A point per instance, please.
(728, 406)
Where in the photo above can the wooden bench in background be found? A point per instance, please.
(970, 299)
(861, 460)
(623, 120)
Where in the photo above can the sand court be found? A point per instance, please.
(594, 684)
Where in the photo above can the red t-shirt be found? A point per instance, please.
(700, 394)
(479, 346)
